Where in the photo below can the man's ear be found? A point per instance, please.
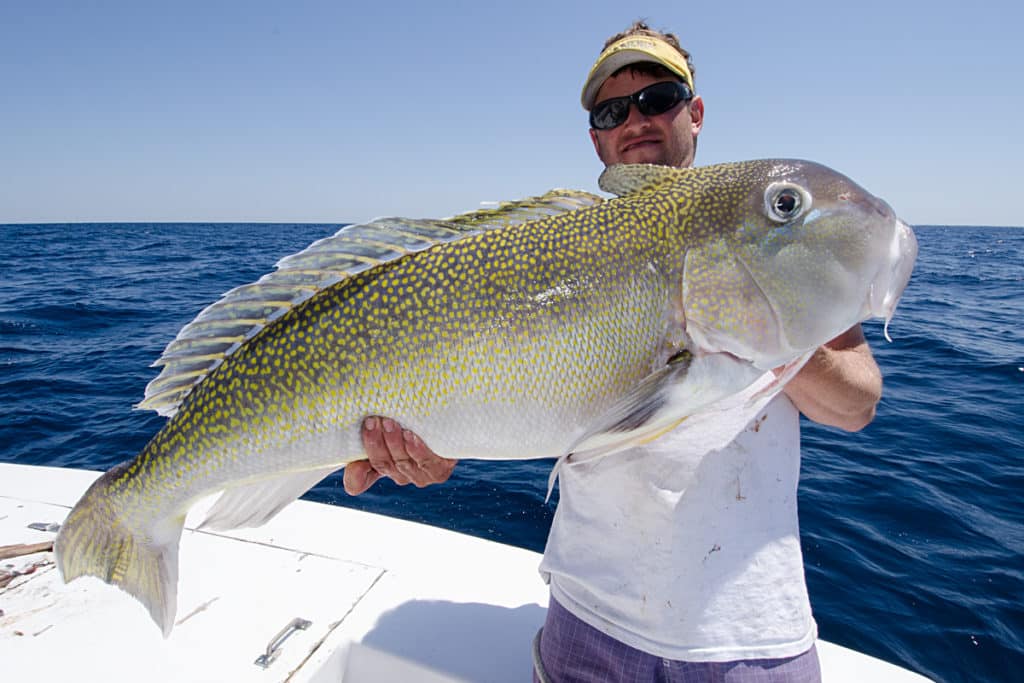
(696, 115)
(597, 144)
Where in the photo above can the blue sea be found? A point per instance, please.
(913, 529)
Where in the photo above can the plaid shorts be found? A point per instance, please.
(568, 650)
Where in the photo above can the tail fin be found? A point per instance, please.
(96, 540)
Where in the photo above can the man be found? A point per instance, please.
(669, 562)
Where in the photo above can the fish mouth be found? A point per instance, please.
(889, 283)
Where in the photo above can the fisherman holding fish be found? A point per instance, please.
(679, 559)
(706, 306)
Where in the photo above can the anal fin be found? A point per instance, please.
(251, 505)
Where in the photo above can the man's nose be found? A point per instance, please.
(635, 118)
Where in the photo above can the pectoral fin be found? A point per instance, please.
(663, 400)
(660, 403)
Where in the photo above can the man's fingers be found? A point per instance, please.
(373, 444)
(392, 433)
(417, 450)
(378, 441)
(430, 467)
(396, 453)
(359, 476)
(402, 467)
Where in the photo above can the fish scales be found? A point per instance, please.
(369, 340)
(267, 398)
(534, 330)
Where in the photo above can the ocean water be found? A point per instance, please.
(913, 529)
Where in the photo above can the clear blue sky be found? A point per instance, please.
(342, 111)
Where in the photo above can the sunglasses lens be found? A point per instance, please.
(660, 97)
(610, 113)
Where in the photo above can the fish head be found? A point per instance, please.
(796, 254)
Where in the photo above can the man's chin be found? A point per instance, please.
(644, 154)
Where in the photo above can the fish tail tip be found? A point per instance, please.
(94, 541)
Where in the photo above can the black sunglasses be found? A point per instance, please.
(653, 100)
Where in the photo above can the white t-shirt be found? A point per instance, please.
(688, 547)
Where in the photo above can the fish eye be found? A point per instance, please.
(785, 202)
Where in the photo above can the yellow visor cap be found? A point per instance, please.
(633, 50)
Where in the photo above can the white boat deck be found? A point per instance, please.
(387, 600)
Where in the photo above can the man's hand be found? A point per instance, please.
(840, 385)
(397, 453)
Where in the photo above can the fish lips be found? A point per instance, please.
(889, 283)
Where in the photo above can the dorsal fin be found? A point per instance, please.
(221, 328)
(504, 214)
(624, 179)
